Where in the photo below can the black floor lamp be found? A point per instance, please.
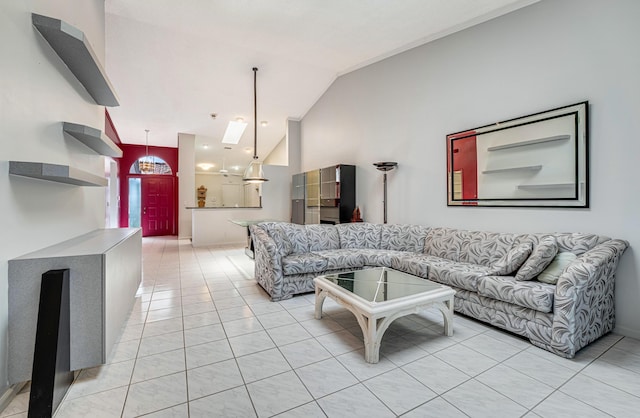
(384, 167)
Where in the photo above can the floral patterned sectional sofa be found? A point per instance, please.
(495, 275)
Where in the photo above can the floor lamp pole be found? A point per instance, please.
(384, 201)
(384, 167)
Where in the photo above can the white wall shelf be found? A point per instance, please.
(93, 138)
(56, 173)
(505, 170)
(529, 142)
(546, 186)
(74, 49)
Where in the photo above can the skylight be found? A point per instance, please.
(234, 132)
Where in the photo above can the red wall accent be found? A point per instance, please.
(130, 154)
(465, 160)
(110, 129)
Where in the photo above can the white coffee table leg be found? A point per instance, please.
(447, 314)
(371, 341)
(320, 297)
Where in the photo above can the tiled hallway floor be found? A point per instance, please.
(205, 341)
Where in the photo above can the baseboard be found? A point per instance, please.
(9, 394)
(627, 332)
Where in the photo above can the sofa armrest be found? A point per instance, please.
(584, 306)
(268, 262)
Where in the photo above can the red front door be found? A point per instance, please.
(158, 195)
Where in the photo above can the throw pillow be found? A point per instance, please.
(511, 260)
(540, 258)
(556, 268)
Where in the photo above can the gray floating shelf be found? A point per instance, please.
(546, 186)
(505, 170)
(75, 51)
(56, 173)
(529, 142)
(93, 138)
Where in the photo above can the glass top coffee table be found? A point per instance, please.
(378, 296)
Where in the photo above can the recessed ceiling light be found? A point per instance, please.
(206, 166)
(239, 119)
(205, 146)
(248, 150)
(264, 123)
(234, 132)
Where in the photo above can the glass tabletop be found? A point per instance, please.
(246, 223)
(381, 284)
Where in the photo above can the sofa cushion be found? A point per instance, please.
(512, 260)
(413, 263)
(446, 243)
(578, 243)
(541, 256)
(528, 294)
(457, 273)
(295, 237)
(342, 259)
(403, 237)
(322, 237)
(303, 263)
(487, 248)
(359, 235)
(357, 258)
(277, 236)
(474, 247)
(560, 262)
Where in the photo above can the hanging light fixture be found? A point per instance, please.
(145, 164)
(254, 172)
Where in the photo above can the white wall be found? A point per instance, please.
(550, 54)
(37, 93)
(214, 184)
(186, 182)
(212, 226)
(279, 154)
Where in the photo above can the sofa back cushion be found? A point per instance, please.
(578, 243)
(445, 243)
(475, 247)
(359, 235)
(274, 232)
(488, 248)
(289, 238)
(323, 237)
(296, 236)
(403, 237)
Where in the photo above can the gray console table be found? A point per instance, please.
(105, 272)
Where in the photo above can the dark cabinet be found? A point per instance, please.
(337, 193)
(326, 196)
(298, 186)
(312, 197)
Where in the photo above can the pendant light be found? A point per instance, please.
(145, 165)
(254, 172)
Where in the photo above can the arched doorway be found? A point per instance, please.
(151, 196)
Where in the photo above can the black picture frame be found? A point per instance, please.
(538, 160)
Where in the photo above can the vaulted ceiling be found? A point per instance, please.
(173, 63)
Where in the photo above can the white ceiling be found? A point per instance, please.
(173, 63)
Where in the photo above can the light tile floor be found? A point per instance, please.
(204, 340)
